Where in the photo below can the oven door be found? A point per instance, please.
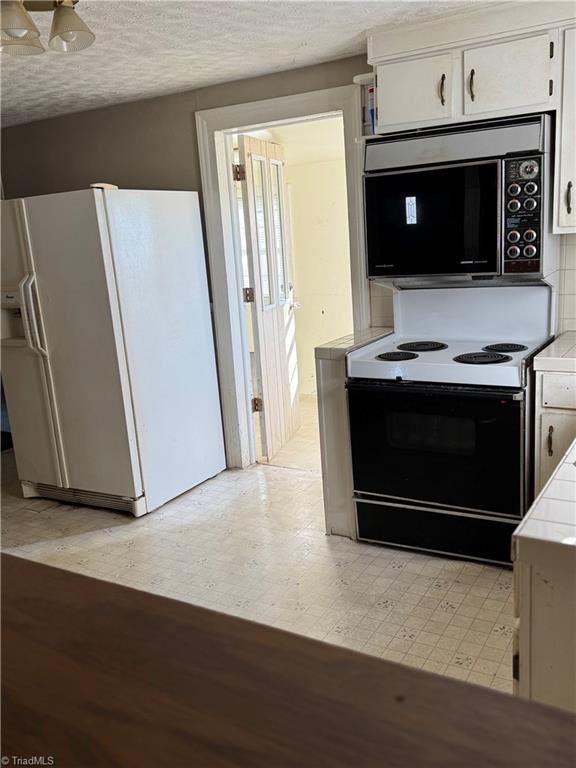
(440, 220)
(447, 447)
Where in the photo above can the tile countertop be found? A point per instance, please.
(552, 516)
(340, 347)
(560, 356)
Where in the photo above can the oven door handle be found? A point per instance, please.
(432, 390)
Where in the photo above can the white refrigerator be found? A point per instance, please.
(108, 361)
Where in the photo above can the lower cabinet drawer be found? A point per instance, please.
(559, 390)
(458, 535)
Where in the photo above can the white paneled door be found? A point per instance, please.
(268, 265)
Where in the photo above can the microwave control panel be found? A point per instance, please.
(522, 215)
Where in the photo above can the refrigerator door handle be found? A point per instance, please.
(30, 291)
(24, 312)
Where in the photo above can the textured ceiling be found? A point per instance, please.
(151, 47)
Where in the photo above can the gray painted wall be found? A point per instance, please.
(149, 144)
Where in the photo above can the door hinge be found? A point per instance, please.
(551, 49)
(248, 295)
(238, 172)
(257, 405)
(551, 87)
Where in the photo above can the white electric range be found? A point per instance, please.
(488, 361)
(441, 421)
(448, 335)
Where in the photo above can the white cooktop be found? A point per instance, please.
(466, 320)
(439, 366)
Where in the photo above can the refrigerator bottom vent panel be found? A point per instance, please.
(136, 507)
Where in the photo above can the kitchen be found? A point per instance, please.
(266, 558)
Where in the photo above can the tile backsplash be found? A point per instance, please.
(567, 297)
(381, 306)
(382, 312)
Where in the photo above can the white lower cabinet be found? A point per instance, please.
(555, 422)
(545, 635)
(557, 430)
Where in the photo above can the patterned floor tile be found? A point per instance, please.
(252, 543)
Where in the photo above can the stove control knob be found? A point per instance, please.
(513, 236)
(513, 251)
(530, 204)
(514, 205)
(529, 251)
(531, 188)
(528, 169)
(514, 189)
(530, 235)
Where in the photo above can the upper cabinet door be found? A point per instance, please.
(415, 90)
(508, 76)
(566, 189)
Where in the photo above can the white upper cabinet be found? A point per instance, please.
(512, 75)
(565, 197)
(416, 90)
(498, 60)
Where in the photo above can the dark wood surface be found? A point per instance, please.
(96, 674)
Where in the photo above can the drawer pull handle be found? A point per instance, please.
(472, 94)
(442, 87)
(569, 197)
(549, 441)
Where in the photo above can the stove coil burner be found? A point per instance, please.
(482, 358)
(422, 346)
(505, 347)
(397, 356)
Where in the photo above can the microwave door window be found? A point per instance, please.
(433, 222)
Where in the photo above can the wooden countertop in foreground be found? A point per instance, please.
(96, 674)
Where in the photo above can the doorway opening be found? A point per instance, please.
(290, 220)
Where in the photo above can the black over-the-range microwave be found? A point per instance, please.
(469, 199)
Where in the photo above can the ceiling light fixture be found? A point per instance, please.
(20, 36)
(16, 21)
(69, 33)
(25, 47)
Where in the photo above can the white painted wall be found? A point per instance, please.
(321, 259)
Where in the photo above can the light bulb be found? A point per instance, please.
(16, 33)
(69, 37)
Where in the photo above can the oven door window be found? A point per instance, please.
(438, 447)
(433, 221)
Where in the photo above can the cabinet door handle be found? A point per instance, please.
(471, 85)
(549, 441)
(442, 86)
(569, 197)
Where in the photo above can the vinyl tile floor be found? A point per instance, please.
(302, 451)
(252, 543)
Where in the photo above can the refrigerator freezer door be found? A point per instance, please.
(25, 372)
(77, 306)
(26, 390)
(160, 268)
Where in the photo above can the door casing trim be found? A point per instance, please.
(213, 126)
